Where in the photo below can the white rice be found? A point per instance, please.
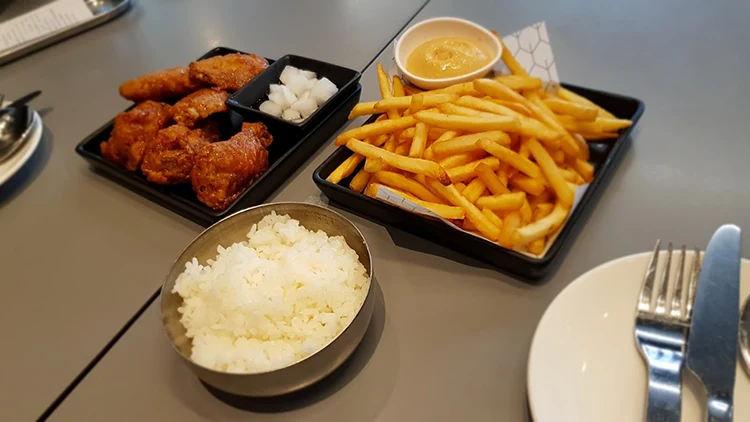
(268, 302)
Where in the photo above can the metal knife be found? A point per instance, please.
(712, 342)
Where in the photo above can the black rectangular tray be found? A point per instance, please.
(604, 157)
(292, 145)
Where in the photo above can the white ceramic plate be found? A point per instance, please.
(12, 164)
(584, 364)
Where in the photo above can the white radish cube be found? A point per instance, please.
(298, 120)
(323, 90)
(274, 88)
(297, 84)
(308, 74)
(288, 95)
(305, 95)
(305, 107)
(270, 107)
(278, 99)
(290, 114)
(311, 83)
(287, 73)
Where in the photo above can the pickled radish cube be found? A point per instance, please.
(274, 88)
(287, 73)
(311, 83)
(298, 120)
(305, 107)
(308, 74)
(305, 95)
(297, 84)
(270, 107)
(290, 114)
(323, 90)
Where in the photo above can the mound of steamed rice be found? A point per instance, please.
(268, 302)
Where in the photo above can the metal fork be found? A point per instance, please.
(661, 331)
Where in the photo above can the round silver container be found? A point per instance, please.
(305, 372)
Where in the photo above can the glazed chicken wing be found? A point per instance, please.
(223, 170)
(132, 130)
(261, 132)
(170, 156)
(162, 85)
(228, 72)
(199, 105)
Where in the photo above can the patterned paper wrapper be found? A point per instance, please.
(532, 49)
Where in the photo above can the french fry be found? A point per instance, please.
(579, 111)
(510, 62)
(391, 144)
(419, 143)
(571, 96)
(504, 202)
(543, 210)
(373, 165)
(558, 156)
(583, 168)
(376, 128)
(412, 165)
(469, 123)
(502, 174)
(529, 126)
(568, 144)
(598, 136)
(411, 90)
(345, 169)
(372, 191)
(466, 171)
(510, 157)
(456, 160)
(489, 230)
(460, 186)
(445, 136)
(449, 212)
(363, 109)
(468, 143)
(450, 108)
(511, 222)
(613, 125)
(433, 133)
(551, 172)
(490, 179)
(537, 247)
(572, 176)
(525, 212)
(359, 181)
(541, 227)
(527, 184)
(429, 99)
(519, 82)
(398, 87)
(519, 108)
(537, 200)
(416, 104)
(474, 190)
(494, 218)
(403, 149)
(468, 225)
(405, 184)
(385, 89)
(466, 88)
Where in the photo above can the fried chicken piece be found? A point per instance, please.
(223, 170)
(162, 85)
(261, 132)
(230, 72)
(199, 105)
(132, 131)
(170, 156)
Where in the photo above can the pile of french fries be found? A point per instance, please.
(498, 157)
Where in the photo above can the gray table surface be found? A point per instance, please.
(79, 253)
(449, 340)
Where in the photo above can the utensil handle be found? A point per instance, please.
(664, 404)
(720, 410)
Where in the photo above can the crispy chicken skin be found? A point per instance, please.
(261, 132)
(132, 131)
(228, 72)
(170, 156)
(162, 85)
(223, 170)
(199, 105)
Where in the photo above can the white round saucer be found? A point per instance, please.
(584, 364)
(32, 137)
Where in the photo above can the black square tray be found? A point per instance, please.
(604, 156)
(292, 145)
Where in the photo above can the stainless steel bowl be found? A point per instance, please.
(305, 372)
